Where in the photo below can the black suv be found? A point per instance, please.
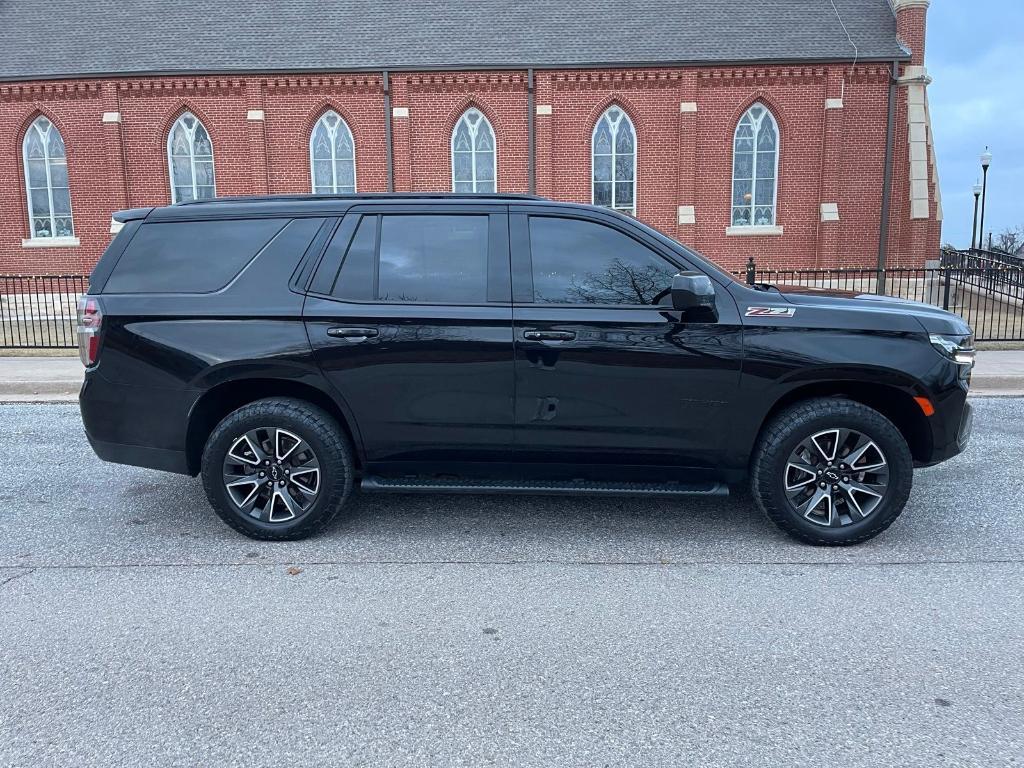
(292, 348)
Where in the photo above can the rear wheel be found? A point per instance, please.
(831, 472)
(277, 469)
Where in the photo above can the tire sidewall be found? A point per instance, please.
(770, 485)
(316, 429)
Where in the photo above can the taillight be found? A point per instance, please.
(90, 320)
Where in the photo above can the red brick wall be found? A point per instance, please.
(683, 158)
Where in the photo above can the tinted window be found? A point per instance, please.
(355, 280)
(582, 262)
(189, 256)
(433, 259)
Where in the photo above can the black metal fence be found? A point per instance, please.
(40, 311)
(985, 288)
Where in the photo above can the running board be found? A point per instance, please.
(580, 487)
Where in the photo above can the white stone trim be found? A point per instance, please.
(687, 106)
(111, 117)
(399, 111)
(833, 103)
(830, 211)
(51, 242)
(919, 147)
(544, 109)
(914, 73)
(753, 231)
(687, 214)
(254, 114)
(899, 5)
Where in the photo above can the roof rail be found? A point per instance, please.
(366, 196)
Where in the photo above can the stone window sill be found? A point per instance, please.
(752, 231)
(51, 242)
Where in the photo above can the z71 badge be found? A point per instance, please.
(771, 311)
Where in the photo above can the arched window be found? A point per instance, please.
(332, 156)
(46, 180)
(755, 162)
(474, 158)
(190, 158)
(614, 162)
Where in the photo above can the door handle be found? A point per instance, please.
(549, 335)
(353, 335)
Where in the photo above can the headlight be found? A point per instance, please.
(959, 349)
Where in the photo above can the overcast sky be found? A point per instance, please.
(975, 53)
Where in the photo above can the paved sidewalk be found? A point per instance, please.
(57, 379)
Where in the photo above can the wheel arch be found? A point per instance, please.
(894, 403)
(220, 400)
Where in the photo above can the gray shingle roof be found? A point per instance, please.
(62, 38)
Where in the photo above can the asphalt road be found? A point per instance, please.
(136, 629)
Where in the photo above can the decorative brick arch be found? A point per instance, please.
(313, 117)
(471, 102)
(763, 97)
(614, 100)
(34, 112)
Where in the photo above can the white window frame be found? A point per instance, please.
(191, 155)
(636, 158)
(47, 160)
(753, 183)
(472, 137)
(332, 132)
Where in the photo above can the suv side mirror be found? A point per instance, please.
(693, 292)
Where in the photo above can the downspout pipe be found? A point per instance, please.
(883, 229)
(388, 150)
(531, 113)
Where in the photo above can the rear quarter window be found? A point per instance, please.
(190, 256)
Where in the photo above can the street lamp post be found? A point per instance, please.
(986, 161)
(974, 221)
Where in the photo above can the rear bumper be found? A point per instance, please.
(141, 456)
(141, 426)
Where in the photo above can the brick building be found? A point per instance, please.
(795, 131)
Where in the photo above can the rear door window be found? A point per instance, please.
(190, 256)
(412, 258)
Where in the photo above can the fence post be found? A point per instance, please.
(945, 288)
(751, 271)
(880, 281)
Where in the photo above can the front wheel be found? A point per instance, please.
(277, 469)
(831, 472)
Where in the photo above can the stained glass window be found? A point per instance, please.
(755, 160)
(190, 158)
(46, 181)
(332, 156)
(474, 157)
(614, 162)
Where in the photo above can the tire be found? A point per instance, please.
(272, 436)
(778, 475)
